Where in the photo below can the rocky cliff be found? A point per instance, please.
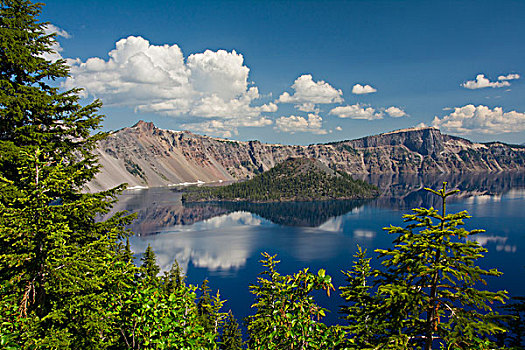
(144, 155)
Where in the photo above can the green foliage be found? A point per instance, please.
(231, 337)
(287, 316)
(149, 268)
(66, 280)
(367, 324)
(208, 309)
(296, 179)
(429, 292)
(33, 113)
(58, 265)
(174, 279)
(128, 254)
(150, 312)
(149, 318)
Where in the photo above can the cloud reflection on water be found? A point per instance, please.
(218, 250)
(238, 218)
(220, 243)
(499, 241)
(364, 234)
(483, 199)
(332, 225)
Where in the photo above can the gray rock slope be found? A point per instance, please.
(146, 156)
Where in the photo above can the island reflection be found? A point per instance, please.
(159, 209)
(302, 214)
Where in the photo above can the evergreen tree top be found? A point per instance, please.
(34, 112)
(429, 289)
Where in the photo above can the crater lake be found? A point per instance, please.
(223, 242)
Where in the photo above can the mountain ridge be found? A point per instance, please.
(146, 156)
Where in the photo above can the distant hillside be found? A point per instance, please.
(144, 155)
(295, 179)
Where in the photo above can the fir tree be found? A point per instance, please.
(209, 309)
(58, 265)
(149, 268)
(66, 280)
(231, 337)
(429, 293)
(366, 323)
(128, 255)
(174, 279)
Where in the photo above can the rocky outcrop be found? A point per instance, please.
(144, 155)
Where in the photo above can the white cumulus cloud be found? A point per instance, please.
(395, 112)
(51, 28)
(293, 124)
(481, 119)
(219, 73)
(226, 127)
(309, 91)
(211, 86)
(307, 107)
(359, 89)
(482, 82)
(356, 111)
(55, 45)
(511, 76)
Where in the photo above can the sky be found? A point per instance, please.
(299, 72)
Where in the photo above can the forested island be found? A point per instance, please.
(295, 179)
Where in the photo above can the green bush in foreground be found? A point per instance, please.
(287, 316)
(146, 316)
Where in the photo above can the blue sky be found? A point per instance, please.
(288, 71)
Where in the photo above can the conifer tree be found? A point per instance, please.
(208, 308)
(128, 255)
(429, 293)
(367, 324)
(174, 279)
(66, 280)
(149, 266)
(58, 265)
(231, 337)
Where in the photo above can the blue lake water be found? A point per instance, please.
(223, 242)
